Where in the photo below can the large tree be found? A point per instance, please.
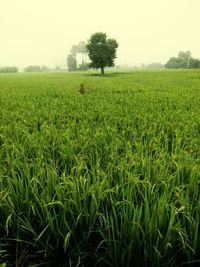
(101, 51)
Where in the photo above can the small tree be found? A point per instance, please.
(101, 51)
(71, 63)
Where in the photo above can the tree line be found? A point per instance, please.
(184, 60)
(8, 69)
(100, 52)
(31, 68)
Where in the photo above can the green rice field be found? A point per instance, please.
(109, 177)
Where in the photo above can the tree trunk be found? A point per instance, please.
(102, 71)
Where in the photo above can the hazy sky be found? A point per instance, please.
(43, 31)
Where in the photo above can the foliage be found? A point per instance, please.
(183, 61)
(71, 62)
(8, 69)
(101, 51)
(106, 178)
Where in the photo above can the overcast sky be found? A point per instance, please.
(43, 31)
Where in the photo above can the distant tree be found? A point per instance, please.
(36, 68)
(194, 63)
(155, 65)
(78, 49)
(44, 68)
(83, 50)
(101, 51)
(185, 58)
(71, 62)
(8, 69)
(74, 50)
(32, 68)
(183, 61)
(83, 67)
(175, 63)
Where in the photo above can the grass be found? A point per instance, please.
(106, 178)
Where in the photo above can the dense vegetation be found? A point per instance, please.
(110, 177)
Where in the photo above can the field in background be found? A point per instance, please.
(107, 178)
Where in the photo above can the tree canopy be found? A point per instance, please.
(101, 51)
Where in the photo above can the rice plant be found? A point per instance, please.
(110, 178)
